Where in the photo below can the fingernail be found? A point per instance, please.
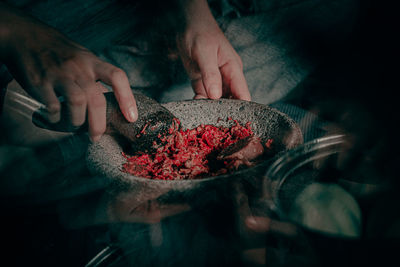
(132, 114)
(95, 138)
(214, 92)
(53, 117)
(199, 97)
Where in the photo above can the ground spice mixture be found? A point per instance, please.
(188, 154)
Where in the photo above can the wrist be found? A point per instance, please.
(197, 15)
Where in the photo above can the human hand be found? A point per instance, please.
(47, 64)
(213, 66)
(256, 222)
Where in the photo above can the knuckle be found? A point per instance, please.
(196, 46)
(70, 63)
(53, 107)
(36, 80)
(77, 98)
(117, 73)
(205, 39)
(211, 76)
(97, 101)
(201, 45)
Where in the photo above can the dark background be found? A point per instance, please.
(354, 85)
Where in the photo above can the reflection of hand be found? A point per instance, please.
(265, 224)
(47, 64)
(213, 66)
(369, 152)
(151, 211)
(141, 206)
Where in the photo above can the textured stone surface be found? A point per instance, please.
(104, 157)
(154, 116)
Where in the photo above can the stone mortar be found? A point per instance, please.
(104, 157)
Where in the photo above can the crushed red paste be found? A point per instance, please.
(187, 154)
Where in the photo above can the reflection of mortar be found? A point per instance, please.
(105, 158)
(124, 206)
(327, 203)
(305, 186)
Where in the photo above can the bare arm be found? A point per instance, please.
(47, 64)
(214, 67)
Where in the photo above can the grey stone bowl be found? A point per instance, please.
(104, 157)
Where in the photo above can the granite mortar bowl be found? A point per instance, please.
(104, 158)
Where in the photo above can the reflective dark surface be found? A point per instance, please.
(55, 213)
(64, 216)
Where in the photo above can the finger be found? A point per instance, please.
(207, 61)
(255, 256)
(258, 224)
(235, 81)
(265, 224)
(75, 100)
(96, 114)
(96, 107)
(117, 78)
(198, 88)
(48, 97)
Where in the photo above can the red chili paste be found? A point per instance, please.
(186, 154)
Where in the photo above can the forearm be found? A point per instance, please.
(5, 78)
(4, 29)
(14, 23)
(48, 64)
(213, 66)
(17, 27)
(197, 14)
